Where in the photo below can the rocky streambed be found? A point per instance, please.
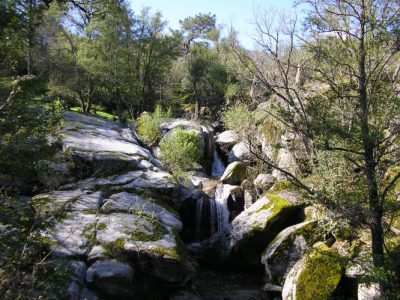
(128, 230)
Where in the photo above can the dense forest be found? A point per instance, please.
(143, 162)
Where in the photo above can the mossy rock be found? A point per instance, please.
(315, 276)
(287, 248)
(53, 203)
(234, 173)
(257, 226)
(154, 247)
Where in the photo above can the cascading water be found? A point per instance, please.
(222, 193)
(217, 167)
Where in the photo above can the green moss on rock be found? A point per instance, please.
(321, 274)
(276, 204)
(171, 253)
(101, 226)
(151, 230)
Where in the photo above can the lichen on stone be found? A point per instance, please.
(148, 230)
(321, 274)
(276, 204)
(101, 226)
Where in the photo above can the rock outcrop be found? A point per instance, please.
(117, 215)
(121, 222)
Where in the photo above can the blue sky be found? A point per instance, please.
(239, 13)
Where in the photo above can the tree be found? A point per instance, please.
(197, 27)
(19, 20)
(349, 55)
(205, 78)
(154, 52)
(363, 37)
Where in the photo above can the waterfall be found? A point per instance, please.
(222, 193)
(218, 167)
(199, 211)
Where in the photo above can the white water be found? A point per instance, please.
(222, 193)
(217, 167)
(218, 212)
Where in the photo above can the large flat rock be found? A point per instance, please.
(101, 147)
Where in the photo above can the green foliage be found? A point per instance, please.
(23, 267)
(27, 128)
(387, 276)
(334, 179)
(98, 110)
(239, 119)
(180, 150)
(148, 125)
(198, 26)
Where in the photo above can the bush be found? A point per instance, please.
(148, 126)
(239, 119)
(180, 151)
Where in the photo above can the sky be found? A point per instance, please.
(239, 13)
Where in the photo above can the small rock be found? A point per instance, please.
(227, 138)
(97, 252)
(248, 199)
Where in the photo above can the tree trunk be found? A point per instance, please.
(197, 106)
(89, 97)
(31, 34)
(89, 104)
(118, 104)
(375, 206)
(197, 109)
(82, 100)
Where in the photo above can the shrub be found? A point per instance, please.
(239, 119)
(148, 125)
(180, 151)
